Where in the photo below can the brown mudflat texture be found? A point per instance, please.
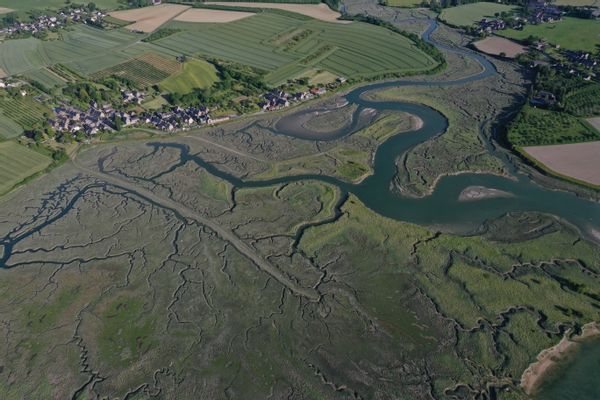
(496, 46)
(148, 19)
(316, 11)
(212, 16)
(577, 160)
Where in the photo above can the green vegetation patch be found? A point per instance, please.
(534, 127)
(584, 101)
(570, 33)
(469, 14)
(43, 316)
(18, 163)
(195, 74)
(127, 331)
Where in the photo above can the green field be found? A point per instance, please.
(570, 33)
(45, 77)
(83, 49)
(9, 128)
(17, 163)
(469, 14)
(195, 74)
(25, 111)
(534, 127)
(285, 46)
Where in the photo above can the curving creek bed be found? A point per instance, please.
(442, 207)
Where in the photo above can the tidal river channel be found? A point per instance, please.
(442, 207)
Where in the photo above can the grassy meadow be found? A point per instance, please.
(18, 163)
(194, 74)
(570, 33)
(469, 14)
(285, 47)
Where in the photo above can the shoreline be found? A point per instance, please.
(549, 358)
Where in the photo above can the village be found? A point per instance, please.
(44, 23)
(106, 118)
(536, 12)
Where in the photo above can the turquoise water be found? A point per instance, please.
(578, 379)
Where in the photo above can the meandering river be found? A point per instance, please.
(442, 207)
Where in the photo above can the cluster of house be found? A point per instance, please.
(537, 12)
(277, 98)
(581, 59)
(576, 63)
(132, 96)
(543, 99)
(105, 118)
(541, 11)
(47, 22)
(488, 25)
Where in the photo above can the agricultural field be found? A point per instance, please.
(148, 19)
(469, 14)
(570, 33)
(18, 163)
(25, 111)
(194, 74)
(9, 128)
(579, 161)
(266, 42)
(83, 49)
(45, 77)
(318, 11)
(206, 15)
(144, 70)
(534, 127)
(497, 46)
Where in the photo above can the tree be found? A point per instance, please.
(118, 123)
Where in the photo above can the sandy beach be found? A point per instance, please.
(549, 358)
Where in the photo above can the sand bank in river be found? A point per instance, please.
(475, 193)
(549, 358)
